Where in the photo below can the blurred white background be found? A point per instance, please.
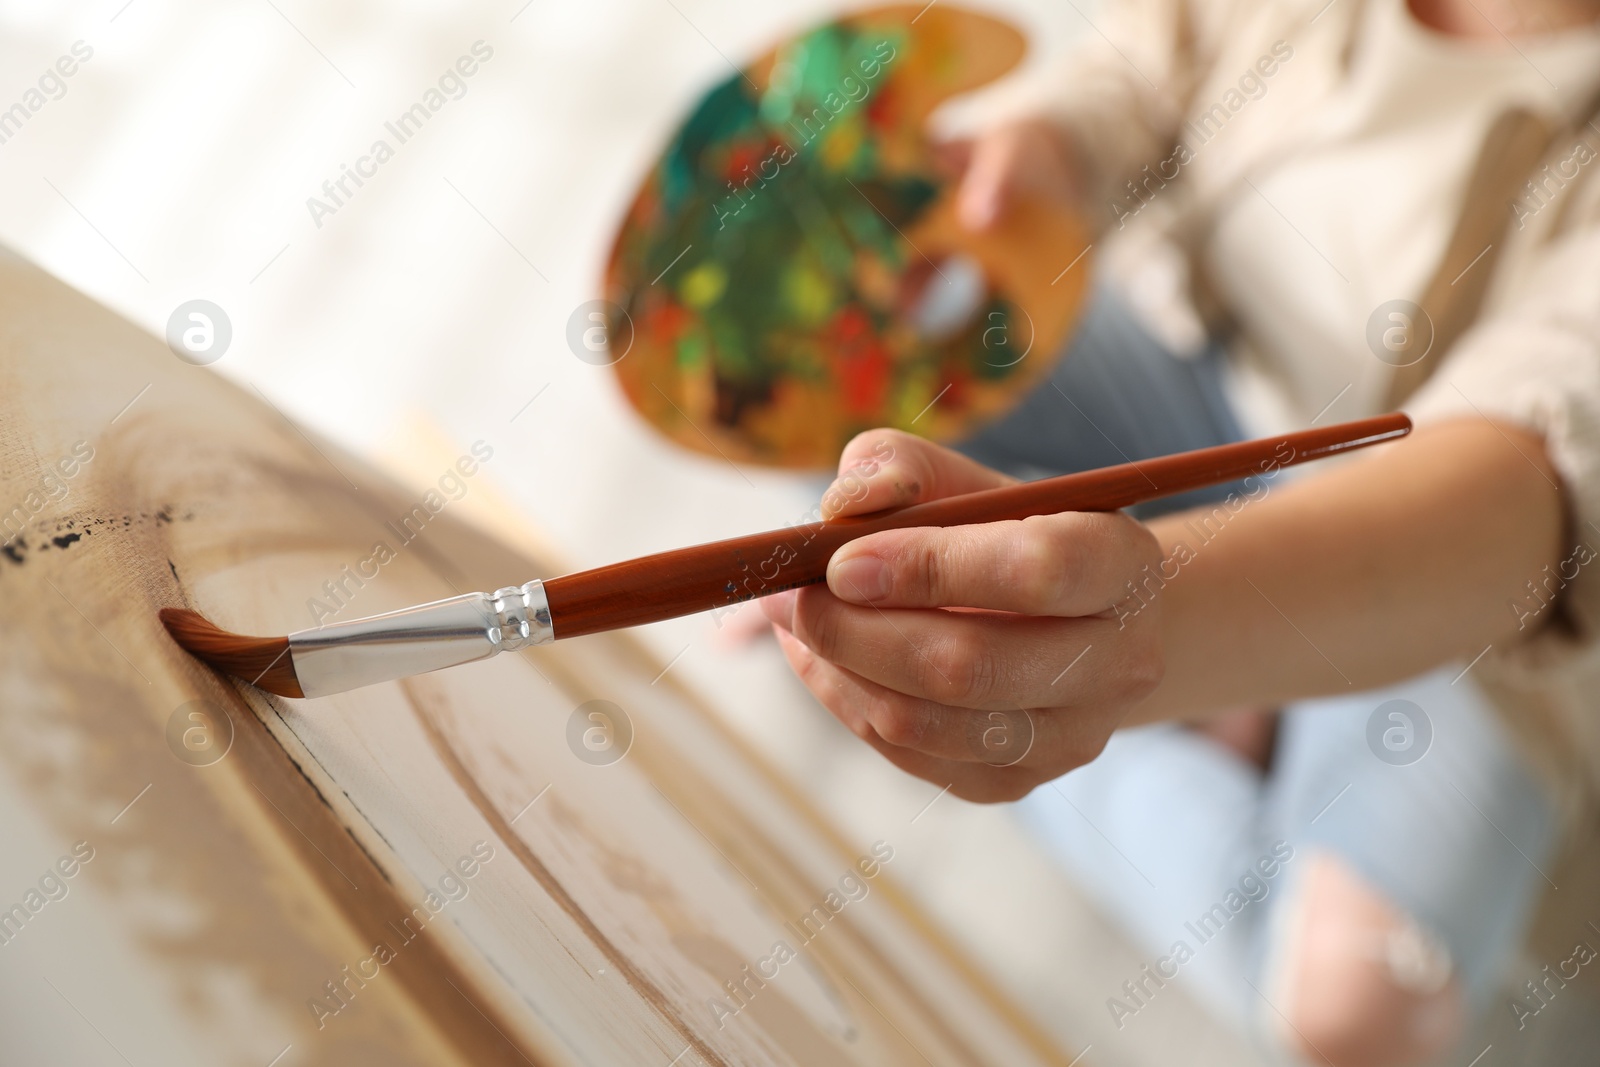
(178, 163)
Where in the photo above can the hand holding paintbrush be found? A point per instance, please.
(342, 656)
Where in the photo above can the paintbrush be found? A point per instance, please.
(337, 657)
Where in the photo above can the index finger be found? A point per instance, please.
(891, 468)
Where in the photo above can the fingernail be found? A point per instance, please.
(779, 607)
(861, 579)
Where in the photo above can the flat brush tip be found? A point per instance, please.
(261, 661)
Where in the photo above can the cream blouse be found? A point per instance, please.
(1305, 163)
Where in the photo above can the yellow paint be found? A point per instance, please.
(704, 285)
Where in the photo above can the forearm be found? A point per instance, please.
(1369, 573)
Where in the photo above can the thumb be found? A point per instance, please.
(986, 186)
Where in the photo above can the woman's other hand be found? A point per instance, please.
(1030, 155)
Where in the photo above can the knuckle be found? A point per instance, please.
(922, 570)
(806, 667)
(860, 726)
(1147, 669)
(847, 710)
(963, 671)
(1142, 664)
(1046, 562)
(817, 626)
(1131, 538)
(901, 723)
(1144, 539)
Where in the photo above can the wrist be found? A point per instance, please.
(1191, 626)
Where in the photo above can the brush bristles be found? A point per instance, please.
(262, 661)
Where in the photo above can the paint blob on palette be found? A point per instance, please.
(792, 271)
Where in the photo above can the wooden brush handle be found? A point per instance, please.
(723, 573)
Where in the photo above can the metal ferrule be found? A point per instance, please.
(429, 637)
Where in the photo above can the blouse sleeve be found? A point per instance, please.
(1123, 91)
(1535, 363)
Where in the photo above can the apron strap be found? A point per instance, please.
(1511, 152)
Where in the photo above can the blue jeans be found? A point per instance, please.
(1116, 397)
(1435, 808)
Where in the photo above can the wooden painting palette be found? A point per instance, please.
(792, 272)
